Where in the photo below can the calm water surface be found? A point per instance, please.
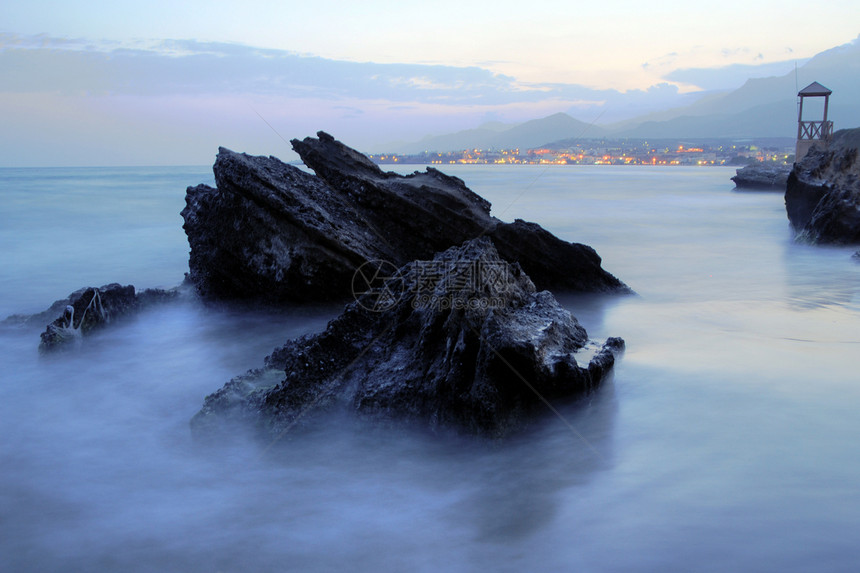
(726, 440)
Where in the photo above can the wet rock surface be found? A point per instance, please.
(822, 197)
(272, 232)
(462, 341)
(91, 308)
(762, 177)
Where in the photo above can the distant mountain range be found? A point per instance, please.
(505, 136)
(761, 108)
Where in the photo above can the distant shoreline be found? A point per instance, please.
(604, 152)
(548, 163)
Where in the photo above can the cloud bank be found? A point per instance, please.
(78, 102)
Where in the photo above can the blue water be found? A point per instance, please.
(726, 439)
(63, 228)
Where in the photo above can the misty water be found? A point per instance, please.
(725, 440)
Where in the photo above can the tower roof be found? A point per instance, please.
(814, 89)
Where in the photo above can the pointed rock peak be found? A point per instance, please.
(330, 158)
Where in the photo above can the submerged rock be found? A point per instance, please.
(822, 198)
(462, 341)
(90, 308)
(762, 177)
(273, 232)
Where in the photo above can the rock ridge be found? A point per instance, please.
(273, 232)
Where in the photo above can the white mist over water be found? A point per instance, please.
(725, 440)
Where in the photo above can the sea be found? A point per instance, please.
(727, 438)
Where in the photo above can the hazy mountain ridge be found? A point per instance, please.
(531, 133)
(762, 107)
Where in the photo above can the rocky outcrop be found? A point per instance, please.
(91, 308)
(822, 197)
(462, 341)
(273, 232)
(762, 177)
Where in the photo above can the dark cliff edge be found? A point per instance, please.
(822, 197)
(272, 232)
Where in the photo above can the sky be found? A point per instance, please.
(167, 82)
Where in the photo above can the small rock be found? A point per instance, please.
(90, 308)
(762, 177)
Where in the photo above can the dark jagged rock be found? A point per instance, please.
(273, 232)
(91, 308)
(822, 197)
(762, 177)
(551, 262)
(463, 342)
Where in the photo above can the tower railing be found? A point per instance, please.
(818, 130)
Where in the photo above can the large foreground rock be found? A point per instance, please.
(463, 341)
(271, 231)
(762, 177)
(822, 197)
